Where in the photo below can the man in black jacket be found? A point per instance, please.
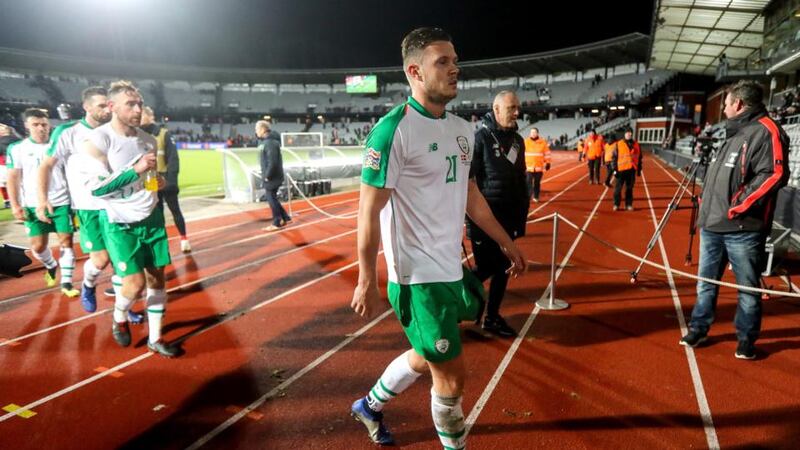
(269, 146)
(498, 165)
(738, 203)
(168, 166)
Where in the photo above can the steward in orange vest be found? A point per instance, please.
(581, 150)
(608, 156)
(537, 161)
(626, 163)
(594, 150)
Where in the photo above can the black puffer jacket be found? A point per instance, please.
(499, 179)
(744, 177)
(271, 160)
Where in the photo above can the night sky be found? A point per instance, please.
(303, 34)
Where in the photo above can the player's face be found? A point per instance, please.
(38, 129)
(506, 111)
(97, 108)
(127, 107)
(439, 71)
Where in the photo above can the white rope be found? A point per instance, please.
(332, 216)
(679, 272)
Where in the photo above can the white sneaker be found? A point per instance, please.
(185, 246)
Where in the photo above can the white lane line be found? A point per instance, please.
(146, 355)
(281, 387)
(557, 195)
(694, 370)
(261, 235)
(177, 288)
(498, 374)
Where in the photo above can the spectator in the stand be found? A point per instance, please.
(272, 172)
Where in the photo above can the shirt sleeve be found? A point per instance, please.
(384, 153)
(11, 155)
(99, 140)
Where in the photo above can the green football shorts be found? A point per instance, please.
(91, 230)
(134, 246)
(61, 217)
(430, 313)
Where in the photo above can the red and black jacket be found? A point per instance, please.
(744, 177)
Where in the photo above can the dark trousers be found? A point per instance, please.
(594, 171)
(169, 195)
(626, 177)
(278, 213)
(609, 174)
(534, 184)
(490, 262)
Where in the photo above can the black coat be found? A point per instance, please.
(743, 179)
(271, 160)
(501, 181)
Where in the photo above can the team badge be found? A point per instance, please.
(463, 145)
(89, 245)
(372, 159)
(442, 345)
(122, 266)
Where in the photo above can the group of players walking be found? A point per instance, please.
(102, 173)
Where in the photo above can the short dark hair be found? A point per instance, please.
(748, 91)
(39, 113)
(416, 40)
(91, 91)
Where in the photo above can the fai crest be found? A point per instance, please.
(442, 345)
(463, 145)
(372, 159)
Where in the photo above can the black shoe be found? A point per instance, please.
(121, 333)
(164, 349)
(745, 350)
(497, 325)
(693, 338)
(109, 292)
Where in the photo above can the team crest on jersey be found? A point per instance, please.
(463, 145)
(442, 345)
(89, 245)
(372, 159)
(122, 266)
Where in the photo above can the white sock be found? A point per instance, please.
(397, 377)
(121, 306)
(116, 283)
(156, 305)
(448, 418)
(46, 258)
(67, 263)
(90, 273)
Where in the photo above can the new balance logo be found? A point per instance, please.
(433, 147)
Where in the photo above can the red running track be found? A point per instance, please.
(266, 322)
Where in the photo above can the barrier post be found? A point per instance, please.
(552, 303)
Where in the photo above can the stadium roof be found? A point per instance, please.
(627, 49)
(691, 35)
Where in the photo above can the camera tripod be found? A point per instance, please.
(689, 180)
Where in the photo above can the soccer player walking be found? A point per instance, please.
(133, 223)
(23, 161)
(415, 191)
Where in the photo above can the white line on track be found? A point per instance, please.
(148, 354)
(177, 288)
(501, 368)
(694, 370)
(261, 235)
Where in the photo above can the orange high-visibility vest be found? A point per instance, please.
(627, 158)
(594, 147)
(537, 154)
(581, 148)
(608, 150)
